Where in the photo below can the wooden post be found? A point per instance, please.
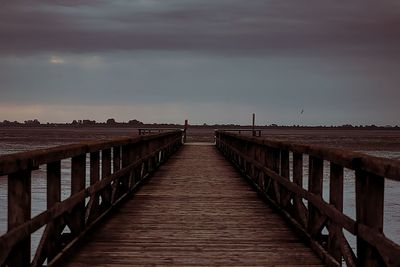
(285, 194)
(116, 158)
(251, 154)
(336, 199)
(261, 175)
(95, 177)
(105, 172)
(53, 197)
(185, 131)
(268, 164)
(315, 178)
(369, 211)
(276, 153)
(300, 209)
(78, 173)
(257, 156)
(253, 127)
(19, 211)
(105, 163)
(146, 150)
(272, 161)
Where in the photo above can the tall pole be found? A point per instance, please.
(254, 122)
(185, 131)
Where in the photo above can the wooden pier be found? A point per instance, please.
(196, 210)
(240, 202)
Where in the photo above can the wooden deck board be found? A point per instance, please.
(195, 211)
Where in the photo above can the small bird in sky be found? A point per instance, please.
(302, 111)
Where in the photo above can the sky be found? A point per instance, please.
(307, 62)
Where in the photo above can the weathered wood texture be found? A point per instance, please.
(196, 210)
(86, 206)
(272, 181)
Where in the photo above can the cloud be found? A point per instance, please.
(338, 60)
(171, 86)
(246, 27)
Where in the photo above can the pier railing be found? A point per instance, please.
(117, 167)
(254, 132)
(276, 171)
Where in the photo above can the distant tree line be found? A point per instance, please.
(136, 123)
(75, 123)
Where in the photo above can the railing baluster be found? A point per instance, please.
(126, 160)
(78, 176)
(19, 211)
(116, 158)
(251, 155)
(276, 168)
(105, 172)
(53, 197)
(336, 199)
(136, 152)
(369, 212)
(285, 172)
(94, 178)
(315, 178)
(299, 207)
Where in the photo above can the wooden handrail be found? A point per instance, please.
(388, 168)
(267, 165)
(134, 159)
(255, 132)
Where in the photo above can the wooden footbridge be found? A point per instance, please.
(150, 200)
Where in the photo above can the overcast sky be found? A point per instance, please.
(212, 61)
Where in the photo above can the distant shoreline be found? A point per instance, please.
(202, 126)
(368, 139)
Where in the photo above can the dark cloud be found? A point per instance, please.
(245, 27)
(205, 59)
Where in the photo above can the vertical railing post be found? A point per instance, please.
(256, 170)
(300, 209)
(262, 161)
(268, 164)
(253, 130)
(19, 211)
(53, 197)
(116, 158)
(185, 131)
(336, 199)
(94, 178)
(134, 154)
(285, 194)
(272, 160)
(251, 154)
(105, 172)
(315, 178)
(150, 148)
(146, 149)
(78, 175)
(276, 168)
(125, 161)
(369, 212)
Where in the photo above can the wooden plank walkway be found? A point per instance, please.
(195, 211)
